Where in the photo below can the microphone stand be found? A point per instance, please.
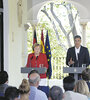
(30, 61)
(78, 59)
(36, 61)
(73, 63)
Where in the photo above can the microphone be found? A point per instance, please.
(36, 60)
(31, 57)
(78, 59)
(73, 63)
(36, 57)
(78, 55)
(30, 61)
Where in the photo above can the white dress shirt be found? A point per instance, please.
(70, 95)
(77, 50)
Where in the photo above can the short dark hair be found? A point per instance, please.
(77, 36)
(69, 83)
(86, 74)
(11, 93)
(33, 71)
(56, 93)
(3, 77)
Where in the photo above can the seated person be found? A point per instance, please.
(55, 93)
(12, 93)
(35, 93)
(70, 95)
(24, 90)
(69, 85)
(3, 82)
(82, 88)
(86, 76)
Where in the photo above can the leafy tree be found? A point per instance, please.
(60, 22)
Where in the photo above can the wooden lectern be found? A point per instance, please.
(41, 70)
(74, 70)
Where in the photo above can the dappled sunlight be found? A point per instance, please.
(61, 19)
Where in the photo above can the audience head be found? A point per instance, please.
(24, 88)
(86, 74)
(12, 93)
(34, 78)
(68, 83)
(77, 41)
(55, 93)
(3, 77)
(82, 87)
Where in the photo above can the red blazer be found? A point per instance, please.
(37, 62)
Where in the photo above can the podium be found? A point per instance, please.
(41, 70)
(74, 70)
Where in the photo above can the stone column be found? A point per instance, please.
(24, 45)
(34, 23)
(83, 26)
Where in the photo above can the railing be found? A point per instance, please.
(57, 67)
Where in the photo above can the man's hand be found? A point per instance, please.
(71, 62)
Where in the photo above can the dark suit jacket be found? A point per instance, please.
(3, 87)
(83, 57)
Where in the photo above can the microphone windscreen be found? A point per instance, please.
(36, 57)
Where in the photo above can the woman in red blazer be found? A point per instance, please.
(37, 59)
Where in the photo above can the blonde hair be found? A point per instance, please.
(86, 74)
(24, 87)
(82, 87)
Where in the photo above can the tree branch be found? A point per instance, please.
(71, 20)
(55, 29)
(73, 24)
(60, 25)
(56, 18)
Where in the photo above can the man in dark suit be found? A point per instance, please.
(3, 82)
(78, 55)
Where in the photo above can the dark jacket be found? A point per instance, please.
(3, 87)
(83, 57)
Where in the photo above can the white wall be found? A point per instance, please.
(14, 42)
(6, 34)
